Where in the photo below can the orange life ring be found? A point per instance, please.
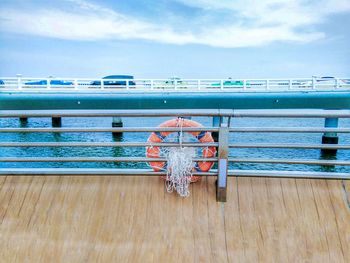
(202, 136)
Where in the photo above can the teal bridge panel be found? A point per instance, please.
(174, 100)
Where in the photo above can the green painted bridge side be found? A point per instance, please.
(172, 100)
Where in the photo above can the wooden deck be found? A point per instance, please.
(132, 219)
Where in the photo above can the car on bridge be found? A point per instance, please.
(44, 82)
(230, 84)
(326, 82)
(115, 81)
(171, 83)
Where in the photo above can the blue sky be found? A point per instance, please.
(185, 38)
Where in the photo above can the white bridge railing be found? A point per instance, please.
(20, 83)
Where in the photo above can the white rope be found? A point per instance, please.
(179, 170)
(179, 166)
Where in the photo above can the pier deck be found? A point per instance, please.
(133, 219)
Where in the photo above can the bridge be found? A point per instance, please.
(73, 93)
(175, 84)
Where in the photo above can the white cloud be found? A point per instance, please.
(259, 23)
(283, 12)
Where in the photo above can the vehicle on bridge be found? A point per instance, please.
(231, 84)
(44, 82)
(115, 81)
(171, 83)
(321, 81)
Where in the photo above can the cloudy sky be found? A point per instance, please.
(186, 38)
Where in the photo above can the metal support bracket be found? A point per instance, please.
(221, 186)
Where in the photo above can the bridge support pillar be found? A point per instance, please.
(23, 121)
(56, 121)
(217, 120)
(117, 122)
(330, 137)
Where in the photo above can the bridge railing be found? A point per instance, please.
(224, 159)
(20, 83)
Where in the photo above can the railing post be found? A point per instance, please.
(337, 83)
(152, 84)
(313, 82)
(290, 84)
(75, 84)
(221, 185)
(244, 84)
(175, 83)
(23, 120)
(198, 84)
(48, 83)
(19, 81)
(221, 84)
(102, 84)
(267, 84)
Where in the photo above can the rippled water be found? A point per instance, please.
(140, 151)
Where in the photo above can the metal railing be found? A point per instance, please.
(51, 84)
(223, 159)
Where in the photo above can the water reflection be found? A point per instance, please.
(23, 122)
(117, 136)
(117, 151)
(328, 155)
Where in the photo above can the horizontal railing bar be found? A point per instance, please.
(103, 144)
(70, 78)
(157, 79)
(156, 90)
(178, 129)
(144, 159)
(149, 172)
(293, 113)
(94, 159)
(289, 161)
(116, 130)
(289, 129)
(289, 174)
(285, 113)
(119, 113)
(289, 145)
(170, 144)
(89, 171)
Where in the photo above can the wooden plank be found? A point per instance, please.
(133, 219)
(233, 223)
